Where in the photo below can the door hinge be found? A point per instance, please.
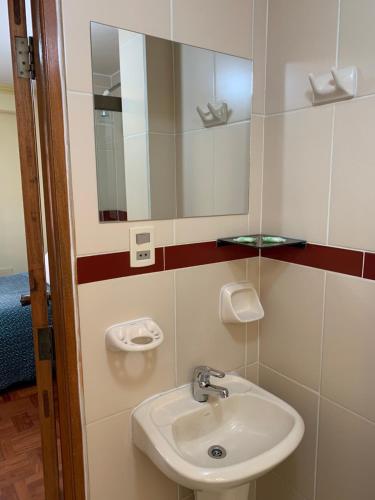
(45, 343)
(25, 57)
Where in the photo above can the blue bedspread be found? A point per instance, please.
(16, 338)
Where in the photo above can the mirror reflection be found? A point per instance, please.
(172, 128)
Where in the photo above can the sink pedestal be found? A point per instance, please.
(239, 493)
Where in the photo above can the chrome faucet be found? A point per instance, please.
(202, 388)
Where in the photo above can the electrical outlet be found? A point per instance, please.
(142, 248)
(143, 254)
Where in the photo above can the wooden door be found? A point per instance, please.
(35, 248)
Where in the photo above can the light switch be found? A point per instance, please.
(142, 247)
(142, 238)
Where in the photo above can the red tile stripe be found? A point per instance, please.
(369, 267)
(198, 254)
(334, 259)
(116, 265)
(113, 215)
(113, 265)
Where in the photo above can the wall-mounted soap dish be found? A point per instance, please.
(142, 334)
(239, 303)
(261, 241)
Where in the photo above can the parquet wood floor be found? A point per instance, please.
(21, 470)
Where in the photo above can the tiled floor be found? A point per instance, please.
(21, 472)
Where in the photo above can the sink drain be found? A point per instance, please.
(217, 451)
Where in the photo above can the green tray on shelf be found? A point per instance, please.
(261, 241)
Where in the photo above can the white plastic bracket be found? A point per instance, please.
(214, 116)
(239, 303)
(337, 85)
(142, 334)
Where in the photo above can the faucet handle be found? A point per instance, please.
(206, 372)
(216, 373)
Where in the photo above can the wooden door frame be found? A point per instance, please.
(50, 104)
(50, 95)
(28, 154)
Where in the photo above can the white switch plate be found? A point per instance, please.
(142, 254)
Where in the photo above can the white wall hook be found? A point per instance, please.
(239, 303)
(214, 116)
(336, 85)
(141, 334)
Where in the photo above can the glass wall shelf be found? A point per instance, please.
(261, 241)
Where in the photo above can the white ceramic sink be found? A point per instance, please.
(256, 429)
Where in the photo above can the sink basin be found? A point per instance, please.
(219, 446)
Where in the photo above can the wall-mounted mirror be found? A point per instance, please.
(172, 128)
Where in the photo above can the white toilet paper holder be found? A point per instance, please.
(239, 303)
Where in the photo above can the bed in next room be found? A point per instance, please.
(16, 338)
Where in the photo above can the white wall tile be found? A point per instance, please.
(117, 469)
(162, 153)
(195, 173)
(137, 174)
(256, 174)
(234, 85)
(209, 228)
(301, 40)
(349, 344)
(291, 330)
(107, 183)
(201, 337)
(252, 329)
(194, 85)
(297, 159)
(231, 168)
(357, 41)
(160, 85)
(353, 176)
(346, 455)
(298, 470)
(274, 487)
(252, 491)
(145, 16)
(252, 373)
(214, 24)
(252, 342)
(260, 55)
(185, 493)
(115, 381)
